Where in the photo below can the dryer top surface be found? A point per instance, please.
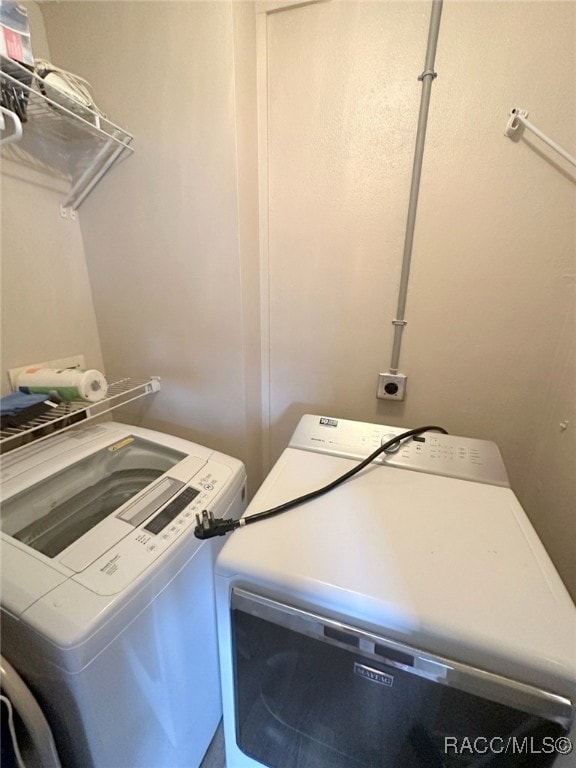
(451, 564)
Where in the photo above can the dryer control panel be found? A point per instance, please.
(433, 452)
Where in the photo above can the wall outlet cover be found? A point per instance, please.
(391, 386)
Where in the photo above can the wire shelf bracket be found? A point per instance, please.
(518, 120)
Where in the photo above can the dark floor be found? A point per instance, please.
(215, 757)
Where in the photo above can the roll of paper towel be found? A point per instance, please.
(68, 383)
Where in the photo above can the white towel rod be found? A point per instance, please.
(518, 118)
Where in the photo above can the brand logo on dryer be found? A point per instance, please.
(325, 422)
(374, 675)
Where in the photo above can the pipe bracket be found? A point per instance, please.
(428, 73)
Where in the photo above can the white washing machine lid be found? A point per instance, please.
(52, 513)
(96, 508)
(449, 565)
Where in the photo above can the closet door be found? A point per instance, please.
(339, 98)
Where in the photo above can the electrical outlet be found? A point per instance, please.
(391, 386)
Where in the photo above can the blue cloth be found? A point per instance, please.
(12, 404)
(18, 408)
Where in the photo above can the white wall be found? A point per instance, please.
(46, 302)
(489, 345)
(170, 234)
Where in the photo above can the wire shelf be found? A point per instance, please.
(67, 415)
(60, 135)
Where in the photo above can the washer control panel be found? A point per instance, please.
(432, 452)
(122, 563)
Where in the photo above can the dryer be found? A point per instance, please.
(409, 618)
(107, 597)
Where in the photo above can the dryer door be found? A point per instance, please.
(313, 693)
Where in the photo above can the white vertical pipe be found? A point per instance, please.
(427, 77)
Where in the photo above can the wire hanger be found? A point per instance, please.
(16, 133)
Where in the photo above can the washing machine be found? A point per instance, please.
(407, 618)
(107, 596)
